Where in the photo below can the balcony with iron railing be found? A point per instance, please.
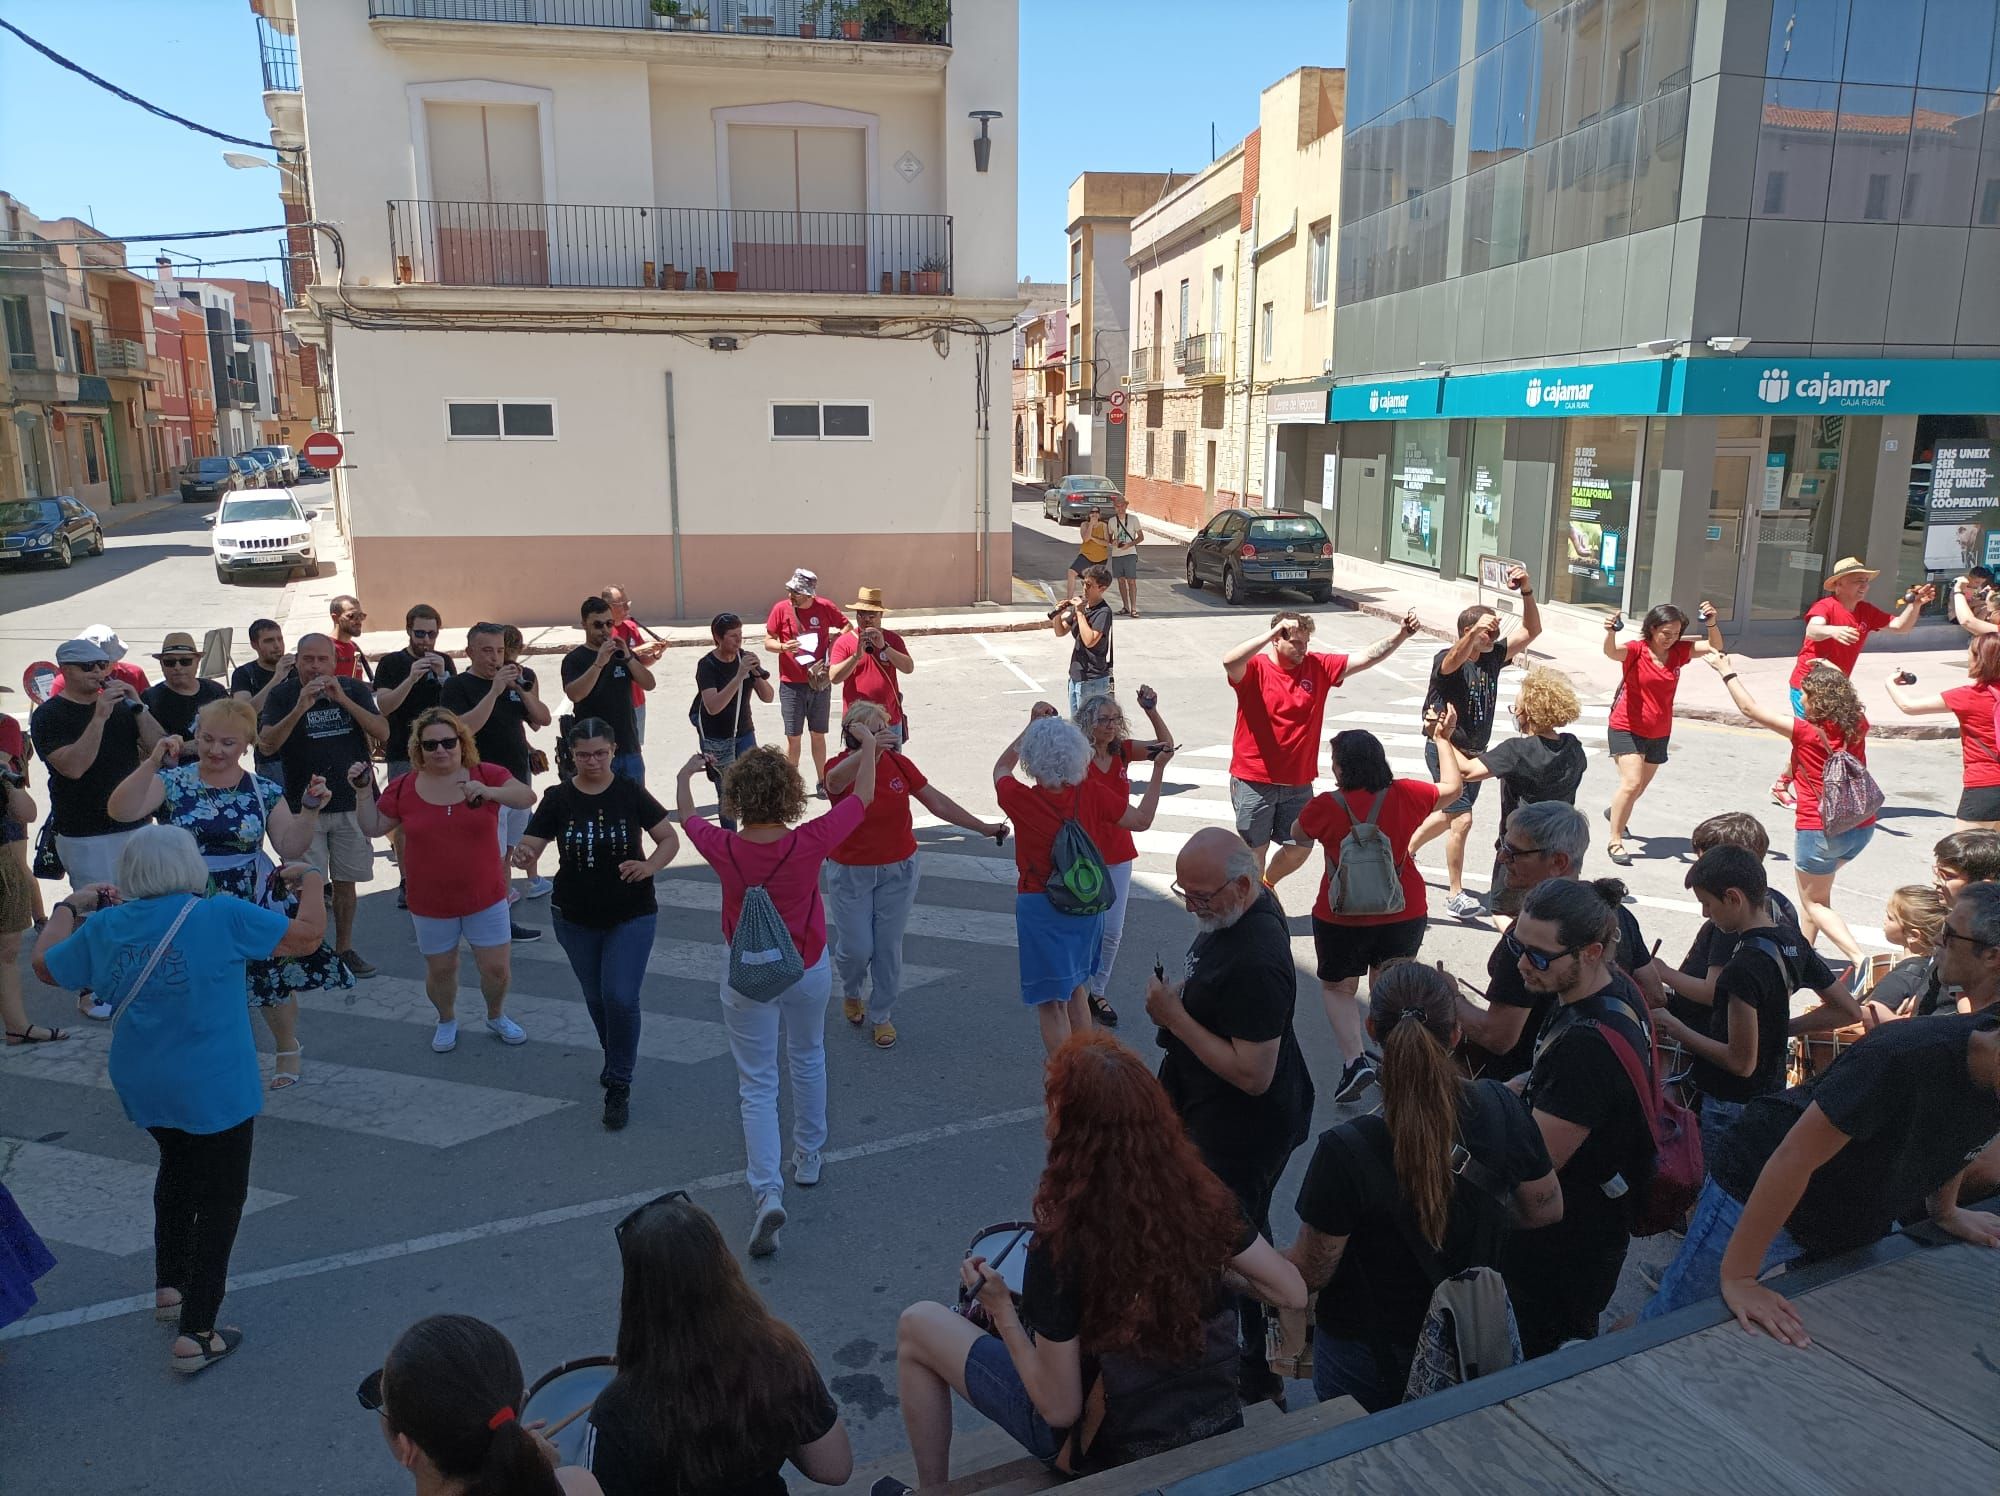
(919, 22)
(1199, 356)
(243, 393)
(123, 356)
(670, 249)
(1142, 366)
(280, 56)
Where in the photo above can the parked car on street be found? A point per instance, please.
(267, 465)
(249, 470)
(1246, 551)
(262, 532)
(210, 478)
(281, 461)
(54, 530)
(307, 472)
(1077, 496)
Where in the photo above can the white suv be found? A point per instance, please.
(262, 532)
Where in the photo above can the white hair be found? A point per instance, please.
(1241, 863)
(160, 860)
(1054, 753)
(1555, 827)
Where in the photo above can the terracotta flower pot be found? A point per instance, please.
(930, 282)
(724, 280)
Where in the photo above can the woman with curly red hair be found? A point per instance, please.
(1123, 1343)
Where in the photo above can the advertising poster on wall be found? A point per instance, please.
(1592, 546)
(1963, 508)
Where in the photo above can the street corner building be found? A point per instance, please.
(681, 295)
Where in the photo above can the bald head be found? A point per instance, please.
(1217, 873)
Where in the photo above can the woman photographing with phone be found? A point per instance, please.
(1101, 720)
(871, 878)
(448, 809)
(1642, 717)
(1973, 705)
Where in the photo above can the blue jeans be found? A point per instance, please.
(1696, 1271)
(630, 766)
(1717, 1117)
(609, 966)
(1081, 691)
(725, 751)
(868, 908)
(1352, 1368)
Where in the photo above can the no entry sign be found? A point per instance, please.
(323, 450)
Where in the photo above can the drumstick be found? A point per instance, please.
(567, 1419)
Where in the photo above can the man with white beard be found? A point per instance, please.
(1233, 1067)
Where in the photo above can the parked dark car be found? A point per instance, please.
(1078, 496)
(1262, 550)
(54, 530)
(249, 471)
(210, 478)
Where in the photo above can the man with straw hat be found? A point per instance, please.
(1839, 623)
(867, 660)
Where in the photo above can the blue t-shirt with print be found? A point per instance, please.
(182, 1054)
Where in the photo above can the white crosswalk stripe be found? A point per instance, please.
(87, 1200)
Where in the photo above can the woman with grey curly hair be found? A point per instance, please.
(1101, 720)
(1058, 949)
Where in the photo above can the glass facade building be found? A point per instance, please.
(1667, 298)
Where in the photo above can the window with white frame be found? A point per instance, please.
(500, 420)
(1268, 331)
(59, 333)
(1318, 255)
(822, 420)
(1075, 270)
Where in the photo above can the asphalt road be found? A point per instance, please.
(395, 1183)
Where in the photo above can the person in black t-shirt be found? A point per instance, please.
(408, 681)
(598, 678)
(181, 693)
(1739, 1050)
(1120, 1170)
(725, 679)
(714, 1393)
(1466, 678)
(1391, 1206)
(498, 701)
(1233, 1066)
(1899, 1123)
(1560, 1277)
(1088, 625)
(253, 679)
(605, 910)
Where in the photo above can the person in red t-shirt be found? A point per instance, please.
(639, 643)
(800, 630)
(1057, 950)
(871, 878)
(867, 660)
(106, 638)
(1102, 722)
(1642, 716)
(348, 660)
(1349, 944)
(1831, 722)
(1974, 705)
(448, 808)
(1280, 703)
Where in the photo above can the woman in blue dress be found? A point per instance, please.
(23, 1259)
(231, 811)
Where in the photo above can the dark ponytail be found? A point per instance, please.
(1415, 1014)
(453, 1385)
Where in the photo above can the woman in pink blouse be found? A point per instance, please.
(765, 796)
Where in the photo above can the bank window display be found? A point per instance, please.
(1593, 539)
(1417, 491)
(1795, 495)
(1485, 495)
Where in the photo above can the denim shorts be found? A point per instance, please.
(1815, 853)
(993, 1387)
(482, 930)
(1467, 796)
(1696, 1271)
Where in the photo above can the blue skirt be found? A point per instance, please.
(23, 1259)
(1057, 950)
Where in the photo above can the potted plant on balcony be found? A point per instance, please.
(666, 14)
(847, 19)
(724, 280)
(809, 14)
(694, 20)
(930, 276)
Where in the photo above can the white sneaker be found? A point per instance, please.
(506, 1030)
(446, 1038)
(805, 1167)
(770, 1217)
(1464, 906)
(537, 888)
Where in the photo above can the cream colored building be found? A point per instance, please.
(681, 307)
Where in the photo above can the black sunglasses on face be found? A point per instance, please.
(1539, 959)
(370, 1391)
(1946, 935)
(439, 745)
(626, 1225)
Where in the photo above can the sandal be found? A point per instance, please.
(166, 1314)
(1103, 1012)
(282, 1080)
(209, 1354)
(1617, 853)
(48, 1035)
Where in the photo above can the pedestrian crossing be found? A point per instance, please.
(105, 1204)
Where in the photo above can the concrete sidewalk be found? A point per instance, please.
(120, 515)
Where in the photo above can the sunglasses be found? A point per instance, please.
(1507, 851)
(369, 1393)
(94, 665)
(1539, 959)
(626, 1225)
(1946, 935)
(439, 745)
(423, 633)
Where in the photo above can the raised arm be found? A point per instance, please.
(367, 813)
(538, 713)
(683, 788)
(872, 744)
(140, 793)
(1961, 610)
(1914, 706)
(586, 682)
(1451, 774)
(1003, 766)
(1238, 659)
(308, 928)
(1711, 622)
(1140, 817)
(1913, 606)
(1613, 650)
(1382, 648)
(1529, 628)
(1745, 702)
(292, 835)
(73, 760)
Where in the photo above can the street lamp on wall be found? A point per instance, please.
(982, 145)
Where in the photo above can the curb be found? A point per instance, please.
(120, 515)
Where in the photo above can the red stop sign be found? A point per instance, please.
(1117, 415)
(323, 450)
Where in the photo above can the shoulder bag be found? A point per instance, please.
(1662, 1201)
(153, 960)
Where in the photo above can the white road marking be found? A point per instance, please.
(64, 1319)
(927, 921)
(409, 1108)
(691, 961)
(1019, 674)
(87, 1200)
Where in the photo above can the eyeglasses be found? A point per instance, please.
(626, 1225)
(1506, 851)
(439, 745)
(1539, 959)
(369, 1393)
(423, 633)
(589, 755)
(1194, 897)
(1946, 935)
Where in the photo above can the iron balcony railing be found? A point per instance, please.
(1199, 355)
(122, 354)
(280, 54)
(923, 22)
(1142, 365)
(686, 249)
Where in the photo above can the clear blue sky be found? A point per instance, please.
(1104, 87)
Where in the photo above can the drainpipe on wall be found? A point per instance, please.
(982, 383)
(1250, 363)
(674, 498)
